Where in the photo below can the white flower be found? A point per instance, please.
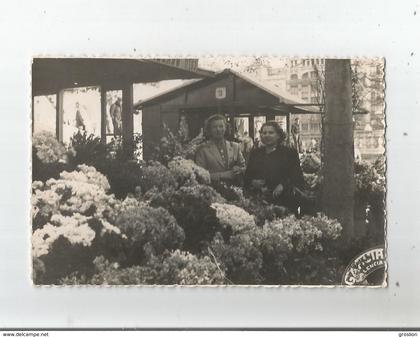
(110, 228)
(79, 235)
(47, 148)
(80, 195)
(86, 174)
(37, 185)
(234, 217)
(202, 175)
(74, 228)
(185, 169)
(305, 232)
(43, 238)
(45, 201)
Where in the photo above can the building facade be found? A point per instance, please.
(303, 78)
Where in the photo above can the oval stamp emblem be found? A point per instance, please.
(365, 264)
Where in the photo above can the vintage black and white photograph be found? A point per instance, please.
(208, 171)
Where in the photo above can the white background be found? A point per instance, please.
(178, 28)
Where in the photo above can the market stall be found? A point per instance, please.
(244, 100)
(51, 76)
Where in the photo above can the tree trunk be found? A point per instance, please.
(127, 120)
(338, 170)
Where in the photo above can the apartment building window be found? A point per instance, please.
(305, 90)
(294, 90)
(376, 102)
(315, 127)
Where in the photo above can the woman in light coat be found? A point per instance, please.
(222, 158)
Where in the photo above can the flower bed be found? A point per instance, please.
(170, 226)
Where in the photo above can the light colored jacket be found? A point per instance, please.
(208, 157)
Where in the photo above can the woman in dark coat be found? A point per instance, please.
(274, 169)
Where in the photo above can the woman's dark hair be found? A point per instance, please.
(211, 119)
(277, 128)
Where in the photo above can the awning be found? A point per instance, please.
(286, 101)
(49, 75)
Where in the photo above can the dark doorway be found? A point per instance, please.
(196, 119)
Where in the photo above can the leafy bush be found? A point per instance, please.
(230, 192)
(298, 251)
(313, 181)
(123, 175)
(75, 252)
(178, 229)
(47, 149)
(203, 192)
(277, 252)
(197, 218)
(240, 257)
(43, 171)
(38, 270)
(176, 267)
(370, 197)
(185, 170)
(185, 268)
(313, 269)
(239, 253)
(306, 234)
(49, 157)
(380, 165)
(87, 149)
(168, 148)
(156, 176)
(71, 218)
(191, 206)
(190, 148)
(169, 197)
(369, 183)
(233, 217)
(172, 146)
(150, 231)
(81, 192)
(310, 163)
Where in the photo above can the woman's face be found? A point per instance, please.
(269, 135)
(217, 129)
